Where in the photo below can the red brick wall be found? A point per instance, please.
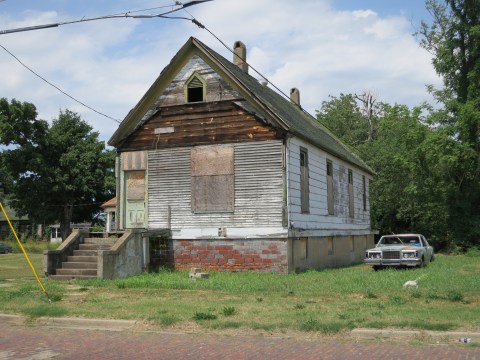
(232, 254)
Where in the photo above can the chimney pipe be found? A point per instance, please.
(240, 55)
(295, 96)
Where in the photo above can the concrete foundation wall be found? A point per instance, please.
(125, 259)
(232, 255)
(328, 251)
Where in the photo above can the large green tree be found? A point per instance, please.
(56, 173)
(413, 162)
(453, 39)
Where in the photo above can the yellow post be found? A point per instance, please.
(24, 253)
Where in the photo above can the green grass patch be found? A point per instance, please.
(225, 325)
(323, 327)
(204, 316)
(31, 246)
(15, 266)
(229, 311)
(46, 310)
(447, 294)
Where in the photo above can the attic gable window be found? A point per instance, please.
(195, 89)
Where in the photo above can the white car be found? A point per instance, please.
(400, 250)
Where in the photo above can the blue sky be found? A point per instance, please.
(322, 47)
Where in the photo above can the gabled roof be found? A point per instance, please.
(269, 104)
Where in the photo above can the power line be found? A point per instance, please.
(105, 17)
(200, 25)
(56, 87)
(118, 15)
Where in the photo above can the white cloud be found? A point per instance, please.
(309, 45)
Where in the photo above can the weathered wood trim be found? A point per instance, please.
(199, 124)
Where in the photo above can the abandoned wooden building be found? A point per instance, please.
(235, 176)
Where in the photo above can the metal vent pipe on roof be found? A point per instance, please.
(240, 55)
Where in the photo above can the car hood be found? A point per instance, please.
(394, 248)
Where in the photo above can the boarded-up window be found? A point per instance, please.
(350, 194)
(135, 188)
(330, 187)
(304, 188)
(134, 160)
(364, 195)
(212, 179)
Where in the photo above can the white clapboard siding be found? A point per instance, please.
(318, 217)
(258, 188)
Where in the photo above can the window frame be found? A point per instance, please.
(330, 190)
(351, 197)
(209, 177)
(188, 90)
(304, 182)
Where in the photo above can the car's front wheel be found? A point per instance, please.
(422, 263)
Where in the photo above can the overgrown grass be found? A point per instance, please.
(31, 246)
(15, 266)
(326, 301)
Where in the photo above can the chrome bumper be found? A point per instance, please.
(393, 262)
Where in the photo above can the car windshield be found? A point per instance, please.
(397, 240)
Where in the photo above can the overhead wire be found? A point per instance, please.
(128, 14)
(55, 86)
(118, 15)
(200, 25)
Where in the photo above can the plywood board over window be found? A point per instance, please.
(330, 200)
(212, 171)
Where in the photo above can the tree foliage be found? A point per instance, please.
(54, 173)
(427, 161)
(453, 38)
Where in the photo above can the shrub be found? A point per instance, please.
(229, 311)
(204, 316)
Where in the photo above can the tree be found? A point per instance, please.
(453, 38)
(61, 172)
(352, 118)
(416, 164)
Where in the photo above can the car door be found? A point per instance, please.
(428, 249)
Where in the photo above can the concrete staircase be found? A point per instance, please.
(83, 263)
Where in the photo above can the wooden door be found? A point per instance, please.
(135, 199)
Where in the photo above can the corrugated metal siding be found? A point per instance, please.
(258, 188)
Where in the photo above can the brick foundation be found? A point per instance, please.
(232, 254)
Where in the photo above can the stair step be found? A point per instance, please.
(79, 265)
(95, 246)
(85, 252)
(100, 241)
(77, 272)
(90, 259)
(70, 277)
